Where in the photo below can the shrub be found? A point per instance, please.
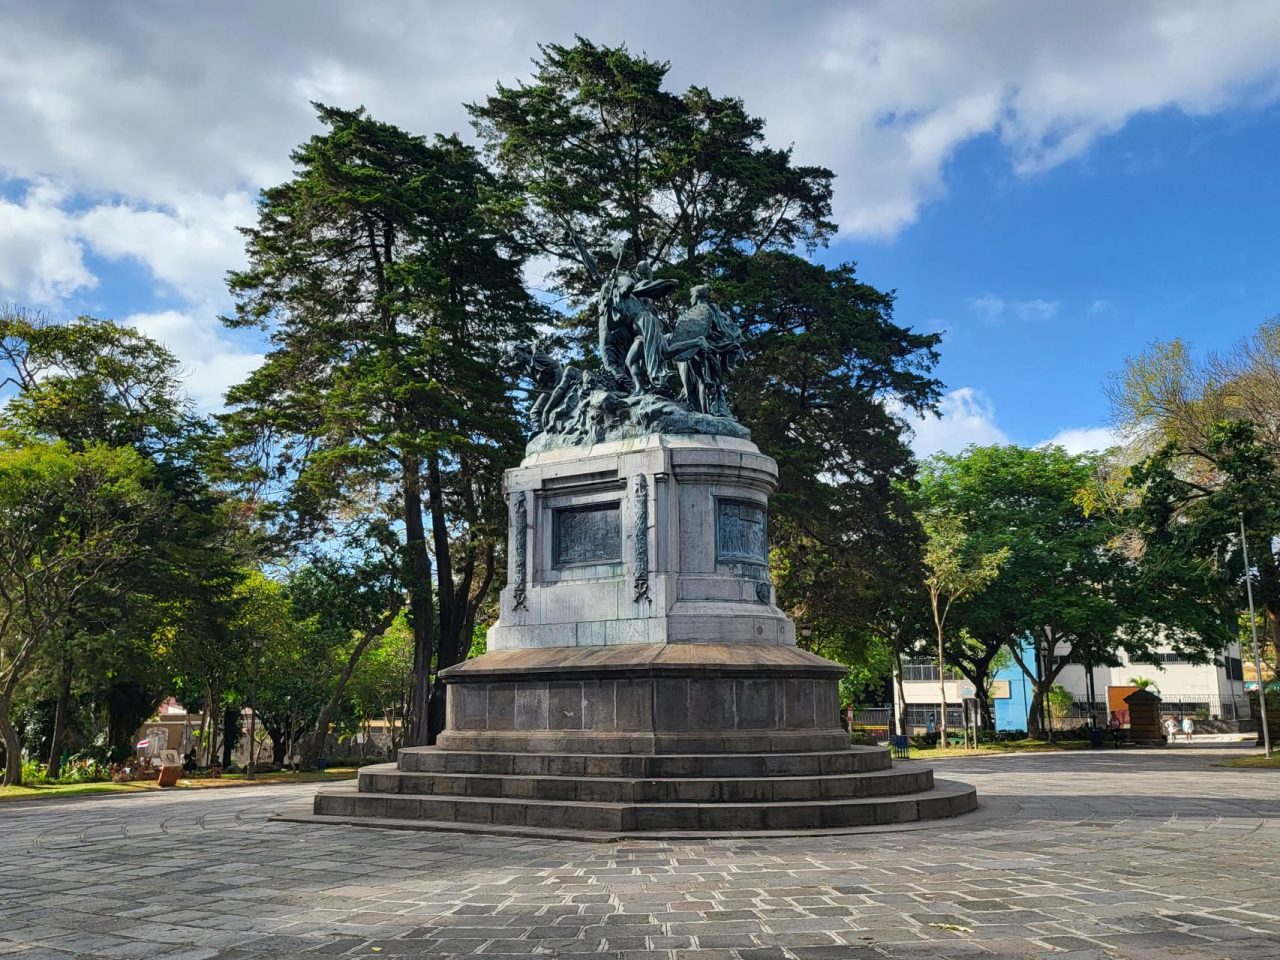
(83, 771)
(1001, 736)
(861, 736)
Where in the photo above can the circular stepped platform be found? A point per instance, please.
(608, 796)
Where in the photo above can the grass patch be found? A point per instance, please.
(283, 776)
(51, 791)
(1258, 762)
(1007, 746)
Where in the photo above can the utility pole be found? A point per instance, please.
(1257, 657)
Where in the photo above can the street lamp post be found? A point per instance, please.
(253, 707)
(1257, 657)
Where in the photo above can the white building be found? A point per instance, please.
(1209, 691)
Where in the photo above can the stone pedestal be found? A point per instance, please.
(640, 677)
(646, 698)
(661, 539)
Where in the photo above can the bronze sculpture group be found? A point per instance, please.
(629, 394)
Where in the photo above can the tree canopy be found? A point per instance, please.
(688, 180)
(388, 275)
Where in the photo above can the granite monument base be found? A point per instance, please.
(659, 739)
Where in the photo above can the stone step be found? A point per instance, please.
(643, 742)
(388, 779)
(946, 799)
(653, 766)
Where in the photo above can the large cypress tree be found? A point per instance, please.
(386, 273)
(688, 180)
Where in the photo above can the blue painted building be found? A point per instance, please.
(1011, 711)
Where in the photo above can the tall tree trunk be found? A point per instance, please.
(214, 706)
(1042, 677)
(1035, 713)
(447, 600)
(417, 576)
(1273, 620)
(986, 715)
(60, 719)
(942, 690)
(978, 678)
(900, 696)
(314, 744)
(8, 732)
(230, 734)
(279, 742)
(12, 747)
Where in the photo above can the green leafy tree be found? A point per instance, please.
(687, 180)
(383, 680)
(1204, 448)
(299, 660)
(353, 605)
(954, 571)
(93, 382)
(1069, 586)
(1060, 701)
(69, 520)
(387, 274)
(1188, 529)
(597, 142)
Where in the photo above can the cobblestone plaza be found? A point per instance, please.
(1081, 856)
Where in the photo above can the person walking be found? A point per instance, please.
(1170, 730)
(1188, 727)
(1115, 725)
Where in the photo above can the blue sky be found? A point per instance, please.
(1054, 184)
(1044, 284)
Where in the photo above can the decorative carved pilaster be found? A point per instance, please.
(641, 500)
(519, 598)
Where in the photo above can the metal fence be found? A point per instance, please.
(873, 716)
(1209, 707)
(1215, 707)
(917, 714)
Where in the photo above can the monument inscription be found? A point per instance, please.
(583, 535)
(742, 534)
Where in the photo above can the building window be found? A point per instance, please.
(1234, 668)
(1162, 657)
(920, 670)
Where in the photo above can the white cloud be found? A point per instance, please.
(158, 123)
(966, 416)
(994, 309)
(210, 362)
(154, 104)
(189, 248)
(1084, 439)
(41, 261)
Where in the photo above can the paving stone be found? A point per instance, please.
(1075, 856)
